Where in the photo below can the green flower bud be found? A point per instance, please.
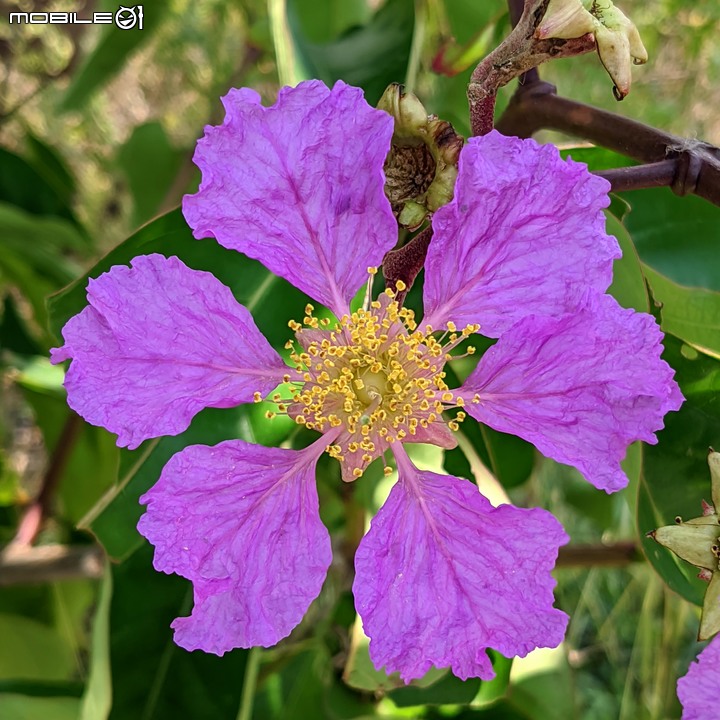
(421, 168)
(691, 542)
(697, 541)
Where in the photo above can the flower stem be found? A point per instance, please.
(249, 684)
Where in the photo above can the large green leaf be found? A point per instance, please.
(152, 678)
(677, 236)
(273, 302)
(383, 44)
(447, 690)
(675, 473)
(297, 688)
(150, 163)
(113, 520)
(691, 314)
(326, 21)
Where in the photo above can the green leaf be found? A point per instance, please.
(152, 678)
(51, 166)
(324, 22)
(150, 164)
(628, 286)
(297, 689)
(31, 650)
(272, 300)
(22, 185)
(677, 236)
(445, 691)
(383, 44)
(360, 673)
(97, 699)
(110, 54)
(691, 314)
(597, 158)
(22, 707)
(33, 255)
(542, 685)
(675, 472)
(114, 518)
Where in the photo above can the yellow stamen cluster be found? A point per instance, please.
(376, 375)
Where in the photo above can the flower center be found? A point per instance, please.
(375, 375)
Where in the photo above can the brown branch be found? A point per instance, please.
(640, 177)
(35, 515)
(519, 53)
(47, 563)
(616, 555)
(696, 164)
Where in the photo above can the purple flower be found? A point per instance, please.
(520, 253)
(698, 689)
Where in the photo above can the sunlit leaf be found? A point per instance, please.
(691, 314)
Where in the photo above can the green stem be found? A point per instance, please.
(418, 39)
(249, 684)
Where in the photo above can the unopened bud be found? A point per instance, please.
(618, 41)
(697, 541)
(691, 542)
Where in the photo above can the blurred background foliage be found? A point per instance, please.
(97, 129)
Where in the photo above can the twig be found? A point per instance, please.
(34, 516)
(615, 555)
(536, 106)
(21, 564)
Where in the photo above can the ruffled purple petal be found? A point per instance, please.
(158, 343)
(581, 388)
(241, 522)
(441, 576)
(299, 186)
(524, 235)
(698, 689)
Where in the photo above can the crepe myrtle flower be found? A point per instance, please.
(697, 690)
(520, 253)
